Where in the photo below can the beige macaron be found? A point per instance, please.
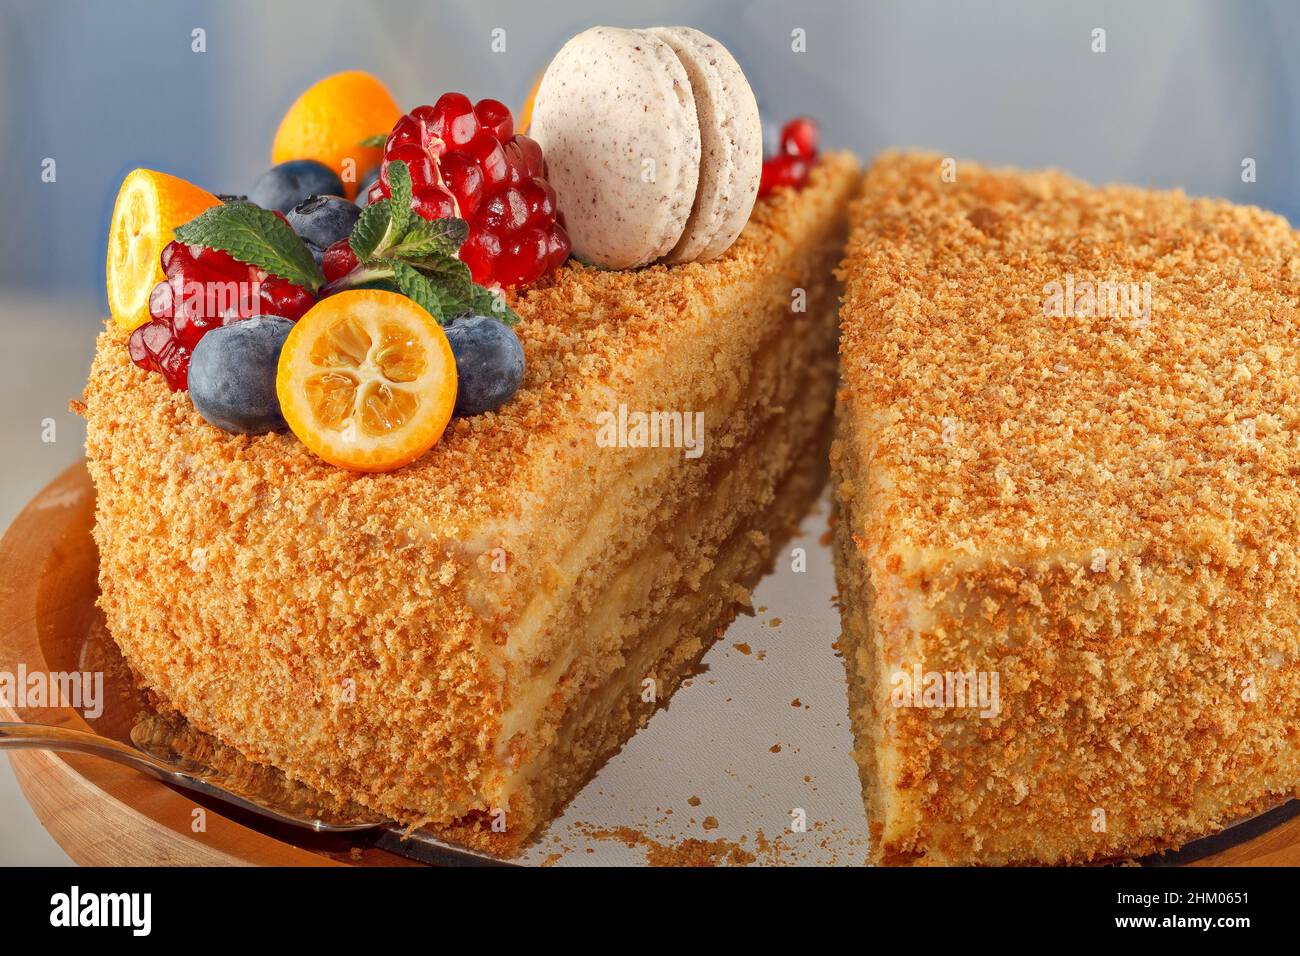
(731, 144)
(616, 119)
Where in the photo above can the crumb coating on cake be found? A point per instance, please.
(347, 628)
(1103, 510)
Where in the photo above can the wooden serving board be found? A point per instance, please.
(105, 814)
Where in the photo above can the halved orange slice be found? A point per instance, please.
(150, 205)
(367, 380)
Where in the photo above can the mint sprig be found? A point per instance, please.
(419, 256)
(379, 139)
(257, 237)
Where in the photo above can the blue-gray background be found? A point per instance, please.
(1184, 92)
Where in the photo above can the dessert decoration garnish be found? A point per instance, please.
(465, 160)
(149, 206)
(232, 375)
(322, 221)
(367, 380)
(284, 186)
(653, 143)
(796, 153)
(211, 285)
(489, 363)
(331, 122)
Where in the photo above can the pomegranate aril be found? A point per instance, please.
(505, 210)
(161, 300)
(799, 138)
(465, 180)
(283, 298)
(495, 116)
(454, 120)
(423, 172)
(408, 132)
(486, 152)
(785, 170)
(435, 203)
(523, 257)
(338, 260)
(174, 364)
(532, 154)
(558, 246)
(216, 261)
(540, 199)
(479, 252)
(172, 255)
(377, 192)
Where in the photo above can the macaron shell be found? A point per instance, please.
(731, 139)
(616, 120)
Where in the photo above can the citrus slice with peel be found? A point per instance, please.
(150, 205)
(330, 119)
(367, 380)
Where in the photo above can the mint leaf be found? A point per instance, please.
(372, 229)
(448, 272)
(415, 285)
(257, 237)
(399, 190)
(379, 139)
(441, 237)
(492, 302)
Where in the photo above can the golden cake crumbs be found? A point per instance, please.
(1097, 504)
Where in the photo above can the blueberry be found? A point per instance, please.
(232, 375)
(489, 363)
(284, 186)
(323, 221)
(363, 190)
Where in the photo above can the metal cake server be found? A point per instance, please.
(267, 794)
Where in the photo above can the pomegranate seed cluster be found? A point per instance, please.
(466, 160)
(205, 289)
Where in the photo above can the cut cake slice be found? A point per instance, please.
(461, 643)
(1068, 533)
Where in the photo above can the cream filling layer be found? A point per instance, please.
(613, 619)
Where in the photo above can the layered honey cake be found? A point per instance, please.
(460, 643)
(1068, 539)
